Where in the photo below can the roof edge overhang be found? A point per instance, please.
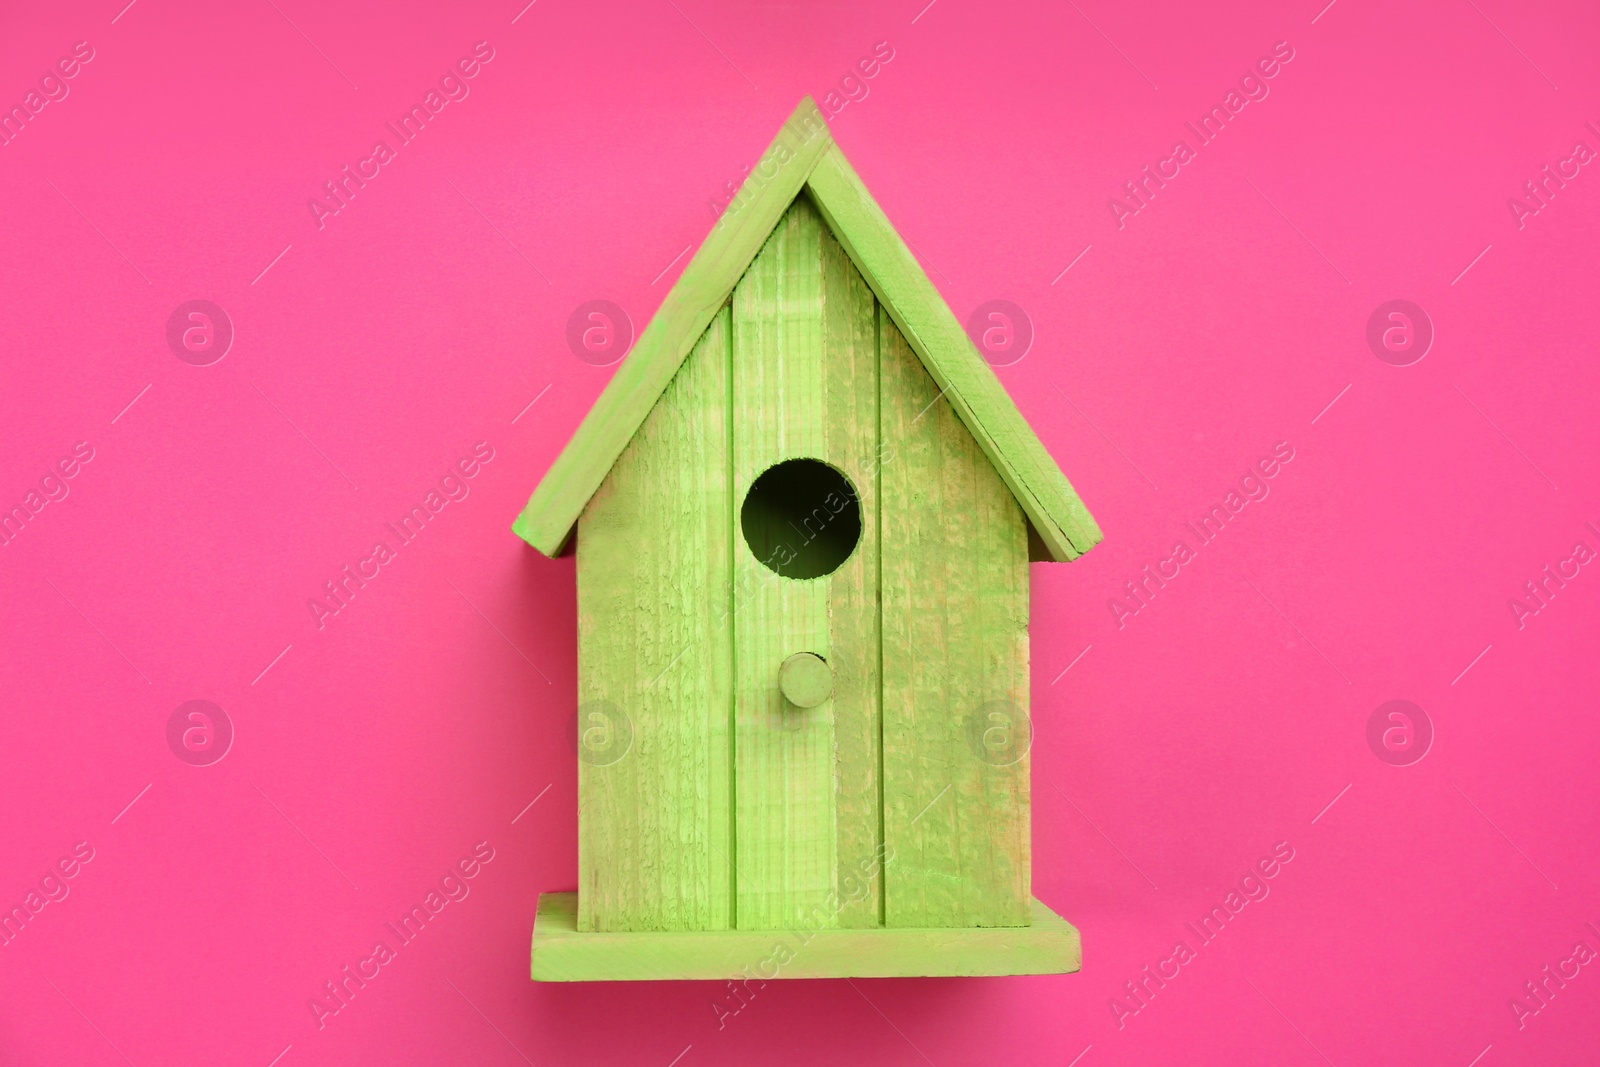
(804, 156)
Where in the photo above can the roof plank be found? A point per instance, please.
(550, 515)
(967, 381)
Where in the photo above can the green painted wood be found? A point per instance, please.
(955, 664)
(561, 953)
(806, 680)
(548, 519)
(1063, 523)
(654, 666)
(805, 385)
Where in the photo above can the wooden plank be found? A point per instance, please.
(683, 316)
(955, 664)
(805, 386)
(850, 414)
(561, 953)
(1063, 523)
(654, 666)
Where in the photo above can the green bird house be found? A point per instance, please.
(804, 509)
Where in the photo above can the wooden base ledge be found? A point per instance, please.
(562, 954)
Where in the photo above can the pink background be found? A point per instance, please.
(423, 718)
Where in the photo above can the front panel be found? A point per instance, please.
(804, 406)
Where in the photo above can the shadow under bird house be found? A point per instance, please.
(804, 509)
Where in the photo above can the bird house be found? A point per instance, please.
(804, 509)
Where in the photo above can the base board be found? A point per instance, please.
(561, 953)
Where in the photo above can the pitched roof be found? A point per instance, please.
(804, 155)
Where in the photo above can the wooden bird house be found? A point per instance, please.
(804, 509)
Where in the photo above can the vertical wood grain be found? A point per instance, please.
(850, 381)
(955, 663)
(805, 385)
(655, 640)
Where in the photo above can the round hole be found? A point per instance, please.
(801, 518)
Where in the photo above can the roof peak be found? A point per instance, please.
(803, 157)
